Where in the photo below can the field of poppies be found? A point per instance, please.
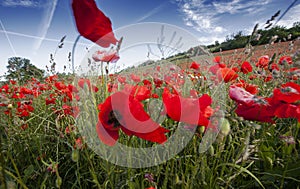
(62, 131)
(224, 120)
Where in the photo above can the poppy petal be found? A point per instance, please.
(157, 135)
(108, 137)
(187, 110)
(241, 96)
(92, 23)
(130, 116)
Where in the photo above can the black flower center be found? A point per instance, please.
(113, 118)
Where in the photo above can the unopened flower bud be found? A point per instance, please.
(225, 127)
(211, 150)
(58, 181)
(201, 129)
(75, 155)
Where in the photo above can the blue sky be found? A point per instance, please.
(33, 28)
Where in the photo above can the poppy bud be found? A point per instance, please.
(75, 155)
(229, 138)
(9, 106)
(211, 150)
(58, 181)
(201, 129)
(225, 127)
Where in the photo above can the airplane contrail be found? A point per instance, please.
(37, 37)
(8, 39)
(152, 12)
(46, 24)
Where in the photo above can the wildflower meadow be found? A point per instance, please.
(198, 119)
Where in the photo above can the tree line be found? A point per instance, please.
(259, 37)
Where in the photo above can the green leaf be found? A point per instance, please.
(29, 170)
(242, 169)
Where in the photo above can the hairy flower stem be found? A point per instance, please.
(73, 52)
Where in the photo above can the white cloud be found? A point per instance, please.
(20, 3)
(219, 29)
(210, 40)
(239, 6)
(207, 16)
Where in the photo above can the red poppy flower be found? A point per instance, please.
(246, 67)
(194, 111)
(251, 107)
(12, 82)
(17, 95)
(289, 93)
(43, 87)
(52, 78)
(106, 56)
(121, 79)
(293, 73)
(147, 84)
(138, 92)
(214, 69)
(25, 91)
(24, 109)
(284, 110)
(124, 111)
(217, 59)
(71, 110)
(112, 87)
(195, 66)
(241, 96)
(5, 88)
(60, 85)
(92, 23)
(285, 59)
(158, 68)
(82, 82)
(154, 95)
(274, 66)
(236, 69)
(72, 88)
(256, 112)
(158, 82)
(50, 101)
(268, 78)
(24, 127)
(252, 77)
(78, 144)
(263, 62)
(135, 78)
(253, 89)
(226, 74)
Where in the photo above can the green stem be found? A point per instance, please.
(14, 177)
(73, 52)
(92, 170)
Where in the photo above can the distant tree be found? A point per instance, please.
(217, 43)
(295, 30)
(22, 70)
(238, 35)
